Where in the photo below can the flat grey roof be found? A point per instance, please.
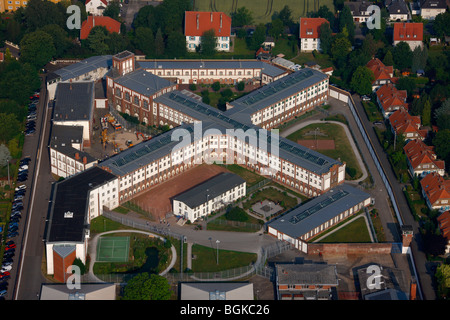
(266, 68)
(74, 101)
(209, 189)
(62, 138)
(306, 274)
(305, 217)
(274, 92)
(71, 195)
(143, 82)
(84, 66)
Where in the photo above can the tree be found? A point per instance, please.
(216, 86)
(145, 41)
(402, 55)
(442, 145)
(39, 13)
(60, 38)
(388, 59)
(443, 280)
(362, 80)
(276, 28)
(258, 37)
(5, 155)
(18, 81)
(9, 127)
(419, 59)
(442, 115)
(97, 40)
(346, 21)
(426, 113)
(37, 49)
(408, 84)
(236, 214)
(326, 38)
(208, 43)
(159, 43)
(176, 45)
(241, 86)
(285, 15)
(147, 286)
(441, 24)
(340, 48)
(242, 17)
(112, 10)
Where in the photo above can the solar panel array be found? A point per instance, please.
(303, 153)
(319, 206)
(276, 87)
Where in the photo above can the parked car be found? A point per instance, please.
(365, 98)
(21, 187)
(29, 132)
(6, 268)
(21, 179)
(12, 235)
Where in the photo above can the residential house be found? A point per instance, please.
(382, 74)
(234, 290)
(310, 33)
(444, 225)
(93, 21)
(307, 281)
(359, 10)
(407, 125)
(390, 99)
(422, 160)
(196, 23)
(436, 191)
(96, 7)
(429, 9)
(398, 10)
(409, 32)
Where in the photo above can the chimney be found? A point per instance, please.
(413, 290)
(77, 156)
(220, 21)
(211, 16)
(198, 22)
(84, 160)
(407, 236)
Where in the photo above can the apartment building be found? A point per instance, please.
(209, 196)
(436, 191)
(310, 33)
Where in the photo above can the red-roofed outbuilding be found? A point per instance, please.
(93, 21)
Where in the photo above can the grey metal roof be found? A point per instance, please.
(143, 82)
(74, 101)
(62, 138)
(398, 7)
(306, 274)
(266, 68)
(275, 92)
(433, 4)
(305, 217)
(209, 189)
(84, 66)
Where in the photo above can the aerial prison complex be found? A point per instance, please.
(150, 91)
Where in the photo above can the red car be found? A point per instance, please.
(10, 247)
(4, 274)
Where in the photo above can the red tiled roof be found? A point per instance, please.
(390, 97)
(444, 224)
(310, 27)
(92, 21)
(402, 123)
(435, 187)
(196, 23)
(408, 31)
(419, 153)
(380, 71)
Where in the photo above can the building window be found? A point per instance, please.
(118, 93)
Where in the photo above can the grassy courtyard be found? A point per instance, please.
(354, 232)
(343, 150)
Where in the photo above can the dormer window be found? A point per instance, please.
(68, 214)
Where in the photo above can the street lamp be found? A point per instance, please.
(217, 242)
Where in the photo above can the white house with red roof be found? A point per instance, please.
(409, 32)
(422, 160)
(310, 33)
(197, 22)
(407, 125)
(436, 191)
(382, 74)
(96, 7)
(390, 99)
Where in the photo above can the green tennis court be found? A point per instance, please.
(113, 249)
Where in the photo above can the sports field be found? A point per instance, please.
(113, 249)
(263, 9)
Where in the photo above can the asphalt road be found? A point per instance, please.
(28, 277)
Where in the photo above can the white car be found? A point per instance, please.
(24, 167)
(6, 268)
(22, 187)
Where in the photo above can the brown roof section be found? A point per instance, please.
(197, 22)
(93, 21)
(444, 224)
(380, 71)
(402, 123)
(390, 97)
(408, 31)
(419, 153)
(310, 27)
(435, 187)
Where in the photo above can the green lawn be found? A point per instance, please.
(205, 258)
(322, 59)
(343, 150)
(273, 195)
(356, 232)
(263, 9)
(372, 112)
